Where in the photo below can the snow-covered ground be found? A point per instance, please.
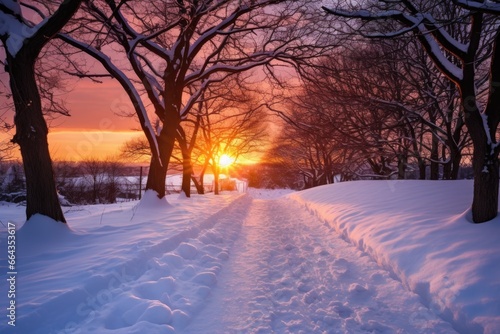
(357, 257)
(421, 232)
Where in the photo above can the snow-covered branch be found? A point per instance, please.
(434, 38)
(487, 6)
(125, 83)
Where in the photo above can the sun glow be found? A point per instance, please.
(225, 161)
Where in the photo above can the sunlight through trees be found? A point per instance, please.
(355, 96)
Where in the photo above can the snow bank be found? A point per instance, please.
(150, 201)
(41, 230)
(420, 231)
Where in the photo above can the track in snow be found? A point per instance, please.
(289, 273)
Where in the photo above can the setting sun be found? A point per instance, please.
(225, 160)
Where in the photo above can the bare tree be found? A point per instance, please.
(23, 41)
(94, 171)
(12, 184)
(103, 178)
(337, 124)
(6, 148)
(308, 142)
(458, 61)
(68, 179)
(377, 104)
(112, 168)
(233, 123)
(136, 149)
(172, 45)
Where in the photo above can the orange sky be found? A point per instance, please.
(96, 106)
(77, 145)
(94, 128)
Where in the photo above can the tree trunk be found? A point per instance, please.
(94, 192)
(200, 189)
(216, 180)
(158, 172)
(31, 135)
(157, 176)
(187, 172)
(421, 169)
(202, 181)
(485, 201)
(446, 166)
(485, 158)
(484, 161)
(447, 170)
(434, 173)
(455, 166)
(187, 166)
(402, 161)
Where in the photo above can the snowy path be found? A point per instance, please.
(289, 273)
(256, 263)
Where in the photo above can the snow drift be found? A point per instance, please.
(421, 232)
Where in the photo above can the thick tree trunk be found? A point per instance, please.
(156, 177)
(485, 158)
(485, 201)
(31, 128)
(158, 172)
(31, 135)
(484, 164)
(486, 174)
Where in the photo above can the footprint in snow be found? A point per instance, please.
(356, 288)
(152, 289)
(187, 251)
(205, 278)
(304, 287)
(188, 273)
(341, 309)
(324, 253)
(173, 260)
(311, 297)
(358, 291)
(340, 267)
(283, 295)
(157, 313)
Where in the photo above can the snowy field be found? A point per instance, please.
(357, 257)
